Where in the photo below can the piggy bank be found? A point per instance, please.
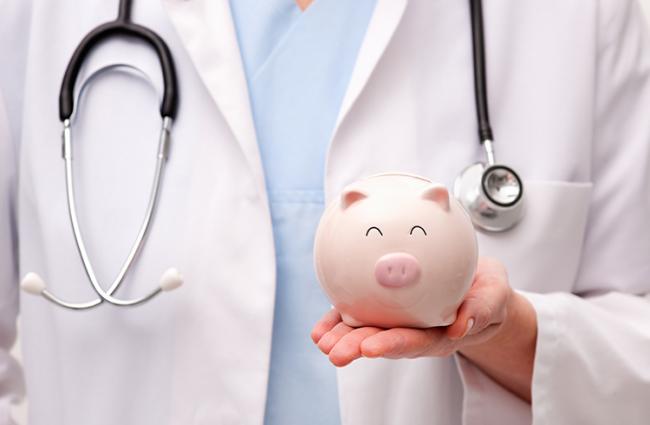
(395, 250)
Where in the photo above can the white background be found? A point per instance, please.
(21, 412)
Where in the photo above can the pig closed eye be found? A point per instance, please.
(418, 227)
(375, 228)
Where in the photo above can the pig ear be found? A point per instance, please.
(351, 195)
(437, 194)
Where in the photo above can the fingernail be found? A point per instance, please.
(470, 325)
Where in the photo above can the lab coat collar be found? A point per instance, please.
(208, 33)
(387, 16)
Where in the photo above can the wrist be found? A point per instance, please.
(518, 328)
(520, 324)
(508, 355)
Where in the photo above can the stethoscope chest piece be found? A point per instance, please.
(492, 195)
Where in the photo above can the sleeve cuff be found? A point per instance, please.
(486, 402)
(548, 338)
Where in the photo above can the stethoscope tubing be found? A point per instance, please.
(480, 72)
(122, 26)
(472, 187)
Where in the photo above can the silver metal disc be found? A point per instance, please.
(502, 185)
(486, 214)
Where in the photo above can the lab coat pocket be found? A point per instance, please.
(542, 253)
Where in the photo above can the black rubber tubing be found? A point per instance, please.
(480, 72)
(120, 27)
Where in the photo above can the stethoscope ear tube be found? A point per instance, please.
(169, 103)
(170, 279)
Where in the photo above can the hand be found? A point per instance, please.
(480, 318)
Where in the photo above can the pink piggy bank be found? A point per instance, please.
(395, 250)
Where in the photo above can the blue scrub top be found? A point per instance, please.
(298, 65)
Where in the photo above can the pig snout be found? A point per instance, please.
(397, 270)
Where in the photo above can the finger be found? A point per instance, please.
(348, 348)
(325, 324)
(403, 343)
(485, 335)
(477, 312)
(462, 326)
(329, 340)
(484, 305)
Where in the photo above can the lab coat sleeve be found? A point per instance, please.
(14, 25)
(592, 362)
(11, 381)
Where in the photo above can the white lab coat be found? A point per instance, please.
(569, 85)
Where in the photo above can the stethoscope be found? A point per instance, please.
(491, 193)
(171, 278)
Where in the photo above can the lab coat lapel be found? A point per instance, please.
(387, 16)
(208, 33)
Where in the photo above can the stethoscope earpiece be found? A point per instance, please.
(171, 280)
(32, 284)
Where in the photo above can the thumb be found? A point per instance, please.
(462, 325)
(474, 315)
